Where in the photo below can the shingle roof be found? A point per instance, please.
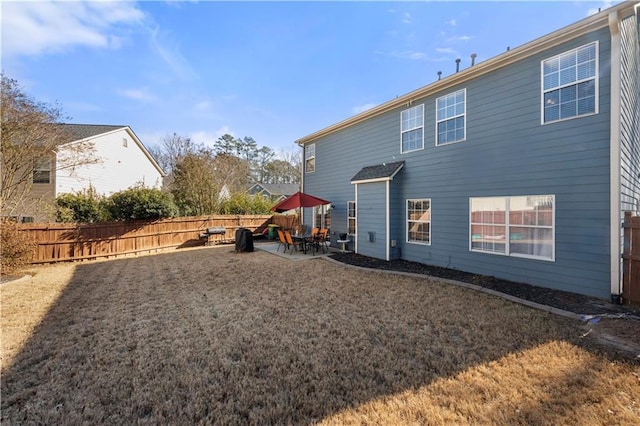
(384, 171)
(77, 132)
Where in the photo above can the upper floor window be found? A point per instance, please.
(411, 124)
(310, 158)
(570, 84)
(42, 170)
(351, 217)
(450, 117)
(125, 143)
(419, 221)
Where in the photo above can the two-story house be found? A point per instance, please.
(519, 167)
(121, 161)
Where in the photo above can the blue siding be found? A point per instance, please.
(372, 218)
(507, 153)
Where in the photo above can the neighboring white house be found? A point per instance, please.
(122, 162)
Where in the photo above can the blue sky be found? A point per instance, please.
(275, 71)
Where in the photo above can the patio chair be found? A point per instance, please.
(282, 241)
(314, 239)
(291, 243)
(323, 236)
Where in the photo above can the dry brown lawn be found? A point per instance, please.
(210, 336)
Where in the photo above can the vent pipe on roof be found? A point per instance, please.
(473, 59)
(508, 48)
(439, 75)
(458, 64)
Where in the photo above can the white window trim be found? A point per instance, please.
(402, 131)
(596, 79)
(406, 210)
(310, 157)
(354, 217)
(507, 225)
(451, 118)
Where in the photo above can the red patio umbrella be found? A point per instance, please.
(297, 200)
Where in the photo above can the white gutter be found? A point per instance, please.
(614, 152)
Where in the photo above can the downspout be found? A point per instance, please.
(302, 164)
(355, 237)
(614, 165)
(387, 220)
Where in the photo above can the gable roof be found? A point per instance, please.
(591, 23)
(76, 132)
(378, 173)
(278, 188)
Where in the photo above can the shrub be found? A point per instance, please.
(15, 247)
(141, 204)
(85, 206)
(243, 203)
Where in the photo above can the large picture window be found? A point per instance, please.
(419, 221)
(412, 123)
(42, 170)
(514, 226)
(570, 84)
(351, 218)
(450, 117)
(310, 158)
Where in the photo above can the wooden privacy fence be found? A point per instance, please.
(631, 259)
(56, 242)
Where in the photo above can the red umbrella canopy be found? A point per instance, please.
(297, 200)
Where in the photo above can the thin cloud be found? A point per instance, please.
(361, 108)
(141, 95)
(451, 22)
(406, 18)
(463, 38)
(36, 28)
(205, 137)
(410, 54)
(446, 50)
(170, 53)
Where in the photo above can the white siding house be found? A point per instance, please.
(123, 162)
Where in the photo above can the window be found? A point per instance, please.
(411, 124)
(419, 221)
(351, 217)
(42, 170)
(570, 84)
(310, 158)
(514, 226)
(125, 143)
(322, 216)
(450, 117)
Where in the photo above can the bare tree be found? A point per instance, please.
(32, 140)
(172, 149)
